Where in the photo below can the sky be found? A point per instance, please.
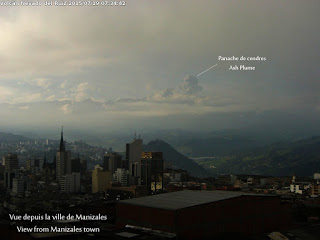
(134, 66)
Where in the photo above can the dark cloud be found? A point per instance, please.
(169, 92)
(190, 85)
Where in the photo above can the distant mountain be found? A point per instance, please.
(194, 135)
(178, 160)
(285, 158)
(221, 143)
(11, 138)
(213, 146)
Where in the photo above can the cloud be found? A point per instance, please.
(27, 97)
(81, 91)
(129, 100)
(40, 43)
(51, 98)
(66, 109)
(186, 93)
(190, 85)
(33, 97)
(42, 82)
(14, 95)
(5, 93)
(24, 107)
(63, 85)
(58, 54)
(169, 92)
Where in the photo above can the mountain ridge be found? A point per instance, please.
(279, 159)
(177, 159)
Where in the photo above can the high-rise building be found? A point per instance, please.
(112, 161)
(83, 166)
(11, 162)
(20, 185)
(152, 170)
(101, 180)
(9, 176)
(121, 176)
(48, 171)
(70, 183)
(11, 169)
(133, 158)
(17, 186)
(33, 165)
(75, 164)
(29, 164)
(63, 160)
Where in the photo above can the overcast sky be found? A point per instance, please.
(138, 61)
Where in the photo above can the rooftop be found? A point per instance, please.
(184, 199)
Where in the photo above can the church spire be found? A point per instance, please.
(61, 148)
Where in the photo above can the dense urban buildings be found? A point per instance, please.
(145, 199)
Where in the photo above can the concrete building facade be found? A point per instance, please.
(101, 180)
(121, 176)
(133, 158)
(70, 183)
(11, 162)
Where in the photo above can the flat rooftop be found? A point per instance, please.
(184, 199)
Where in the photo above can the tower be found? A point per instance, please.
(133, 159)
(11, 165)
(76, 164)
(44, 160)
(11, 162)
(152, 170)
(61, 147)
(63, 160)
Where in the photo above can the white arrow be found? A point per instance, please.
(206, 70)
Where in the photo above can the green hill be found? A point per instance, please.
(301, 157)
